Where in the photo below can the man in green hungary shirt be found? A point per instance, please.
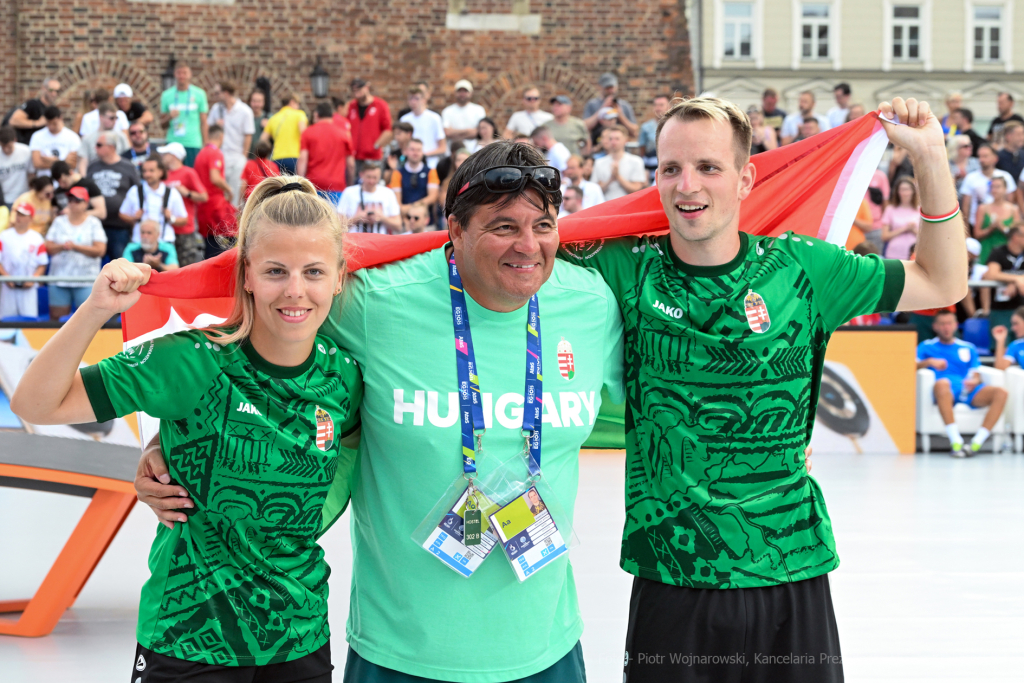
(411, 616)
(728, 538)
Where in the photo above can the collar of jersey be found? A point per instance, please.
(709, 271)
(278, 371)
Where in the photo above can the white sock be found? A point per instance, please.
(954, 434)
(980, 437)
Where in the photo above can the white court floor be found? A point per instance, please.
(931, 586)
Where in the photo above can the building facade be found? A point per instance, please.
(499, 45)
(882, 48)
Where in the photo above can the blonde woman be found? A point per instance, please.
(252, 414)
(959, 150)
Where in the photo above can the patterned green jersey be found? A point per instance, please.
(257, 447)
(722, 368)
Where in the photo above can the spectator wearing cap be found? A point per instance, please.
(107, 122)
(133, 109)
(68, 178)
(153, 200)
(15, 166)
(188, 243)
(370, 118)
(556, 153)
(91, 119)
(114, 176)
(151, 250)
(27, 117)
(461, 118)
(609, 109)
(139, 148)
(54, 142)
(566, 128)
(326, 157)
(259, 168)
(285, 129)
(76, 243)
(216, 216)
(426, 126)
(22, 252)
(592, 194)
(648, 140)
(572, 201)
(183, 109)
(236, 118)
(524, 121)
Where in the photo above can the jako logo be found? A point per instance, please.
(563, 409)
(244, 407)
(676, 313)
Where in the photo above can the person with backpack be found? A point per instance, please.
(153, 200)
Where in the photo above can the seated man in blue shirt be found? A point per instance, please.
(1007, 356)
(955, 364)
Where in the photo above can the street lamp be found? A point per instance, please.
(167, 77)
(319, 80)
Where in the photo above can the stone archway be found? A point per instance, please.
(105, 73)
(502, 94)
(244, 76)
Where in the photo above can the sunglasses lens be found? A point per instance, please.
(504, 179)
(548, 178)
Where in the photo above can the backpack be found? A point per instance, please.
(167, 200)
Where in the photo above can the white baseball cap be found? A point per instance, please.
(123, 90)
(174, 148)
(459, 85)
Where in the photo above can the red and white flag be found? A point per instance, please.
(812, 187)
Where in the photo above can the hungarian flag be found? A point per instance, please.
(812, 187)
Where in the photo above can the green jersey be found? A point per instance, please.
(186, 127)
(722, 369)
(408, 611)
(257, 447)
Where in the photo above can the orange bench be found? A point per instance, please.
(75, 467)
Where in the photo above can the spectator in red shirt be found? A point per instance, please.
(216, 215)
(371, 123)
(259, 168)
(326, 155)
(187, 242)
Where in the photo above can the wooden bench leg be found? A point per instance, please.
(73, 567)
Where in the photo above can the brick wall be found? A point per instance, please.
(87, 43)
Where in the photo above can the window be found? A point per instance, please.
(814, 31)
(738, 30)
(987, 23)
(906, 32)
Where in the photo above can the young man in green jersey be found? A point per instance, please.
(728, 538)
(252, 413)
(411, 617)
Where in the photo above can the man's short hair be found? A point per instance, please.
(575, 188)
(810, 119)
(1018, 312)
(106, 108)
(109, 137)
(52, 112)
(7, 135)
(417, 141)
(617, 128)
(155, 158)
(288, 98)
(264, 148)
(215, 129)
(1006, 95)
(228, 87)
(769, 92)
(539, 130)
(1011, 233)
(60, 169)
(865, 248)
(808, 92)
(529, 88)
(324, 110)
(985, 145)
(966, 114)
(1011, 126)
(99, 95)
(713, 109)
(403, 126)
(843, 88)
(370, 165)
(943, 311)
(662, 96)
(416, 90)
(463, 205)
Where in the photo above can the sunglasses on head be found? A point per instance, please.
(502, 179)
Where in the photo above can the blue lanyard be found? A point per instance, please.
(470, 409)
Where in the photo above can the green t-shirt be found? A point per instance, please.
(410, 612)
(257, 448)
(186, 127)
(722, 369)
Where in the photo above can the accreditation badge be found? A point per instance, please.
(528, 533)
(458, 534)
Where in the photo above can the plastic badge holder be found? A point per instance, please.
(441, 533)
(528, 522)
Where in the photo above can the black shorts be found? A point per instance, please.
(777, 634)
(151, 667)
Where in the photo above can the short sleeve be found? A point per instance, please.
(176, 204)
(172, 254)
(846, 284)
(98, 233)
(637, 172)
(922, 352)
(202, 103)
(304, 139)
(165, 103)
(440, 128)
(130, 204)
(391, 207)
(147, 377)
(346, 323)
(975, 360)
(432, 178)
(41, 257)
(396, 180)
